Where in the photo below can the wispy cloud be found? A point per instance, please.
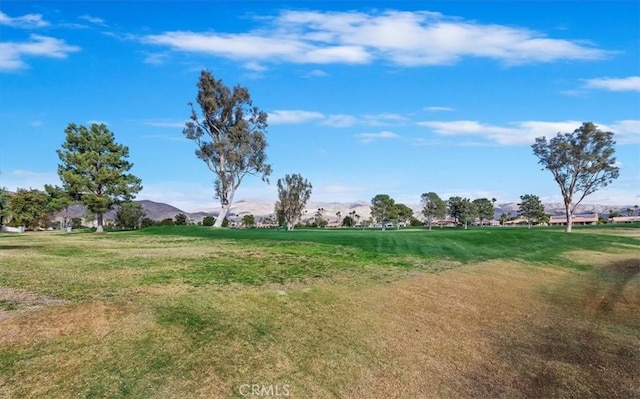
(369, 137)
(28, 21)
(21, 178)
(631, 83)
(316, 73)
(525, 132)
(282, 117)
(401, 38)
(438, 109)
(13, 54)
(93, 20)
(340, 120)
(166, 124)
(155, 58)
(336, 120)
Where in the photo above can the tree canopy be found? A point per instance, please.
(293, 193)
(129, 215)
(531, 208)
(580, 162)
(483, 208)
(433, 207)
(28, 208)
(94, 169)
(383, 208)
(230, 137)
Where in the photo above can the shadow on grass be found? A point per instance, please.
(587, 348)
(620, 273)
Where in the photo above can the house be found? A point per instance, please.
(584, 219)
(624, 219)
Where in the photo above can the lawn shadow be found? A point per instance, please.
(620, 274)
(585, 345)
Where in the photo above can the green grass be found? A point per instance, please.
(197, 312)
(473, 245)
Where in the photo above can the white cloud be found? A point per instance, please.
(438, 109)
(27, 21)
(625, 131)
(21, 178)
(631, 83)
(401, 38)
(369, 137)
(525, 132)
(385, 118)
(12, 54)
(93, 20)
(282, 117)
(316, 73)
(155, 58)
(340, 120)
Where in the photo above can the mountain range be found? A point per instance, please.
(260, 208)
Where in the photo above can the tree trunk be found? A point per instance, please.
(223, 214)
(99, 218)
(567, 228)
(224, 210)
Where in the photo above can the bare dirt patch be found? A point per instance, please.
(14, 302)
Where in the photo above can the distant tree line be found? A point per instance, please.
(230, 137)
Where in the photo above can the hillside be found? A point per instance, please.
(260, 208)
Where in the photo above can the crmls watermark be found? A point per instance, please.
(263, 390)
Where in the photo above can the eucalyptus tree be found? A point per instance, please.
(94, 169)
(230, 137)
(433, 207)
(580, 162)
(531, 208)
(293, 193)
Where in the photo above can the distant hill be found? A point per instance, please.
(259, 208)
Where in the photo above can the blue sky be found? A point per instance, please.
(363, 98)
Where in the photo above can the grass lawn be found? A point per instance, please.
(181, 312)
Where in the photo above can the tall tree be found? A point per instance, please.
(455, 207)
(580, 162)
(293, 193)
(28, 208)
(230, 137)
(484, 209)
(94, 169)
(433, 207)
(468, 212)
(531, 208)
(129, 215)
(383, 209)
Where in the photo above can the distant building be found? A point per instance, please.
(624, 219)
(577, 220)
